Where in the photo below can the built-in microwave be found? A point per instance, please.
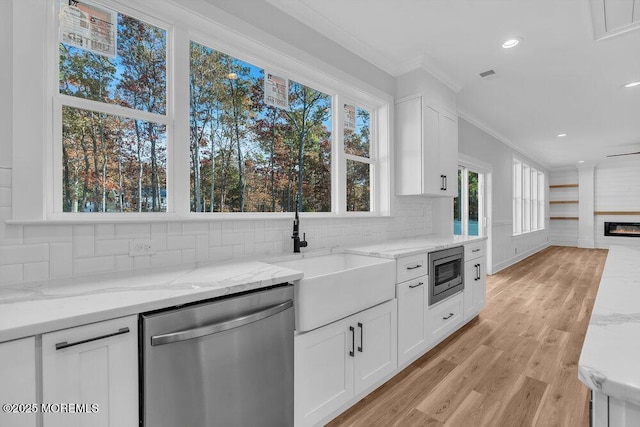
(446, 273)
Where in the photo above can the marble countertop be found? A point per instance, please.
(610, 358)
(412, 246)
(39, 307)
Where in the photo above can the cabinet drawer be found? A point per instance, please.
(411, 267)
(445, 316)
(474, 250)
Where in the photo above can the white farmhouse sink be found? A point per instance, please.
(337, 285)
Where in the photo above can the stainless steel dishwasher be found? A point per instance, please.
(226, 362)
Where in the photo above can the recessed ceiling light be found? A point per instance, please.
(632, 84)
(580, 161)
(561, 135)
(511, 43)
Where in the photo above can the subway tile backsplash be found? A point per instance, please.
(39, 252)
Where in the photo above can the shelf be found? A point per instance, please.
(564, 217)
(562, 202)
(616, 212)
(564, 186)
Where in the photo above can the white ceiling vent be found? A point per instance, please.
(489, 74)
(611, 17)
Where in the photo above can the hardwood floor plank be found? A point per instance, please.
(514, 365)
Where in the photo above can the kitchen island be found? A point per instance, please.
(610, 360)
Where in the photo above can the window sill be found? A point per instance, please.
(97, 218)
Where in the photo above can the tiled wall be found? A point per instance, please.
(38, 252)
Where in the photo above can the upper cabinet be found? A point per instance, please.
(426, 148)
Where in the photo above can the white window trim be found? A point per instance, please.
(540, 211)
(34, 84)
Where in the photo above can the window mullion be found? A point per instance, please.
(339, 161)
(178, 133)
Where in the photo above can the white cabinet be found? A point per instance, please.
(610, 411)
(94, 367)
(444, 318)
(334, 364)
(18, 383)
(475, 279)
(412, 318)
(426, 149)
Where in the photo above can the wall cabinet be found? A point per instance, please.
(95, 364)
(426, 149)
(475, 279)
(338, 362)
(18, 382)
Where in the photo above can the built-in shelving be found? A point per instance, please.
(564, 186)
(564, 202)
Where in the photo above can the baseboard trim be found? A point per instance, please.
(518, 258)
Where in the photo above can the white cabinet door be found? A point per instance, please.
(412, 304)
(376, 345)
(323, 371)
(95, 368)
(448, 152)
(426, 149)
(475, 284)
(18, 382)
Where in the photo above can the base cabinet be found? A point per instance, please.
(18, 383)
(95, 368)
(339, 361)
(608, 411)
(413, 338)
(475, 279)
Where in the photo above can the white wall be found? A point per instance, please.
(616, 188)
(506, 248)
(39, 252)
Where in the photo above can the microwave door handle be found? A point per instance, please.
(220, 326)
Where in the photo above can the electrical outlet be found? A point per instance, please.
(141, 247)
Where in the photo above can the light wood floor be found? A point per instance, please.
(514, 365)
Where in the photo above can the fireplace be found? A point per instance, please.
(622, 229)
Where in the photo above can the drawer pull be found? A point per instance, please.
(414, 267)
(415, 286)
(445, 318)
(475, 250)
(64, 344)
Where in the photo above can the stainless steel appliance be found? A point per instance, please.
(446, 273)
(225, 362)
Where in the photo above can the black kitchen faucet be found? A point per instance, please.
(297, 243)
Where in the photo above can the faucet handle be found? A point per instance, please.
(303, 242)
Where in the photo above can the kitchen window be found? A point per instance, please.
(133, 133)
(528, 198)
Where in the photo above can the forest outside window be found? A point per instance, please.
(257, 140)
(114, 115)
(248, 155)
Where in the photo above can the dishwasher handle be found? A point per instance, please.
(221, 326)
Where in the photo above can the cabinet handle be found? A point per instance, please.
(64, 344)
(353, 341)
(445, 318)
(441, 182)
(414, 267)
(415, 286)
(475, 250)
(445, 183)
(361, 337)
(478, 271)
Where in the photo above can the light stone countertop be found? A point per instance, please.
(610, 358)
(40, 307)
(412, 245)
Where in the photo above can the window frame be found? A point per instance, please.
(526, 204)
(47, 181)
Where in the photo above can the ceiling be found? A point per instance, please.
(558, 80)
